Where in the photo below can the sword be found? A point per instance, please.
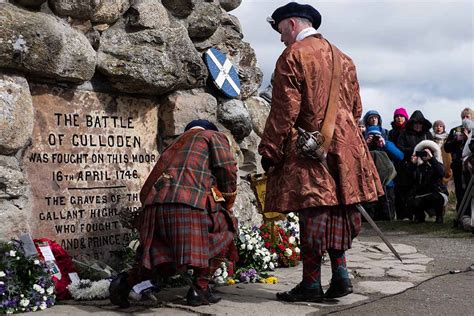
(378, 231)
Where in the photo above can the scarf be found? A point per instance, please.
(439, 138)
(400, 125)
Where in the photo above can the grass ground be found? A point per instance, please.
(446, 230)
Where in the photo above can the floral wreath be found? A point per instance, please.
(25, 282)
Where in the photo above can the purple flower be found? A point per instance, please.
(3, 288)
(249, 275)
(244, 277)
(9, 303)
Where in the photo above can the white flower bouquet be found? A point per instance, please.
(252, 251)
(221, 275)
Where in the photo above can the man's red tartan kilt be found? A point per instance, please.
(328, 227)
(179, 234)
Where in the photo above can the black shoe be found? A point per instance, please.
(211, 297)
(300, 294)
(198, 297)
(339, 288)
(119, 290)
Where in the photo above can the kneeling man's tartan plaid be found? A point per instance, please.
(328, 227)
(177, 233)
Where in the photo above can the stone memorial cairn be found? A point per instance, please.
(92, 69)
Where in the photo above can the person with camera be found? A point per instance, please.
(373, 118)
(384, 153)
(454, 145)
(416, 130)
(428, 194)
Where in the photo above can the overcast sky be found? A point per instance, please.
(413, 53)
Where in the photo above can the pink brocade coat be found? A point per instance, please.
(300, 93)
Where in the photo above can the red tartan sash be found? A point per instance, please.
(148, 191)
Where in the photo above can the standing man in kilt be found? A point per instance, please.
(187, 221)
(324, 193)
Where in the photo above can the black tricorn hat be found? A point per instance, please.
(294, 9)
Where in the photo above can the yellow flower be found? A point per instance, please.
(272, 280)
(231, 281)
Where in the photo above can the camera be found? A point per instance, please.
(421, 153)
(375, 137)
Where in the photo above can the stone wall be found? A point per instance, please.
(90, 93)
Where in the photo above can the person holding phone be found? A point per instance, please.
(454, 145)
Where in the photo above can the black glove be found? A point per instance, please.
(266, 163)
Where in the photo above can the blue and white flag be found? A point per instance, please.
(222, 72)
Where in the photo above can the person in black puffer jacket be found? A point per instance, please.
(428, 194)
(417, 129)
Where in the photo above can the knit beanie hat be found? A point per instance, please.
(402, 112)
(439, 123)
(373, 130)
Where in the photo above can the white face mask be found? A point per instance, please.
(468, 124)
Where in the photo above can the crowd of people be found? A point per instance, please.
(416, 161)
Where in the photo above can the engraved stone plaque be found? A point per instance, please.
(89, 156)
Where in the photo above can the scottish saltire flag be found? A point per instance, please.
(222, 72)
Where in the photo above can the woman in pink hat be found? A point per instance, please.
(400, 118)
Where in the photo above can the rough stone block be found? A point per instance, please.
(234, 116)
(229, 5)
(17, 219)
(44, 45)
(244, 207)
(103, 11)
(204, 20)
(147, 14)
(180, 8)
(16, 113)
(150, 61)
(181, 107)
(259, 110)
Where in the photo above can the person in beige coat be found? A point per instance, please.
(439, 136)
(325, 197)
